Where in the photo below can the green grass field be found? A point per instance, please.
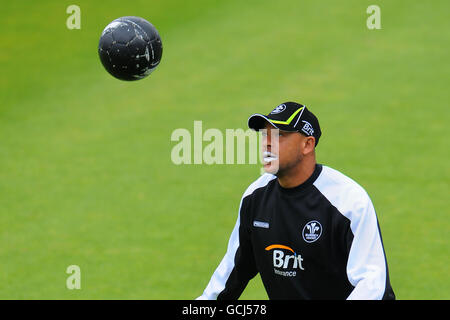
(85, 171)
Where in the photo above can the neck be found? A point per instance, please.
(298, 174)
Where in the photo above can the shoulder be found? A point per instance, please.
(261, 182)
(342, 192)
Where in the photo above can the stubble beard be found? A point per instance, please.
(286, 169)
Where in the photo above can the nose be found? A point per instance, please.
(266, 142)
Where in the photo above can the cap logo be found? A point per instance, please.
(307, 128)
(279, 109)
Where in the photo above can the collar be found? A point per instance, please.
(300, 188)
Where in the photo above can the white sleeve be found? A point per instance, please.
(237, 266)
(219, 278)
(366, 266)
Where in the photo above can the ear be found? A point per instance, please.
(309, 144)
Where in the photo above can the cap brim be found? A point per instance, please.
(258, 121)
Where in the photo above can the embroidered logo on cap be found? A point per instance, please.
(279, 109)
(307, 128)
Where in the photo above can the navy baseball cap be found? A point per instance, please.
(288, 116)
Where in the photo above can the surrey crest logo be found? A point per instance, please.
(312, 231)
(279, 109)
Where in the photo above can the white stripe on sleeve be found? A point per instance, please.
(366, 265)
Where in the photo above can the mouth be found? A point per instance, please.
(269, 157)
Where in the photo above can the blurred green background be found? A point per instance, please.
(85, 171)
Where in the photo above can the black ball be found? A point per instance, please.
(130, 48)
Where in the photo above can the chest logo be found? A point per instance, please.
(284, 263)
(261, 224)
(312, 231)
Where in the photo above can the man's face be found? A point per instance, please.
(281, 150)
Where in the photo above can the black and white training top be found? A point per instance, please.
(319, 240)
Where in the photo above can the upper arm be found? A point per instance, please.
(366, 266)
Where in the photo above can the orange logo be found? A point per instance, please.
(279, 246)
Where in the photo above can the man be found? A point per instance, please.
(310, 231)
